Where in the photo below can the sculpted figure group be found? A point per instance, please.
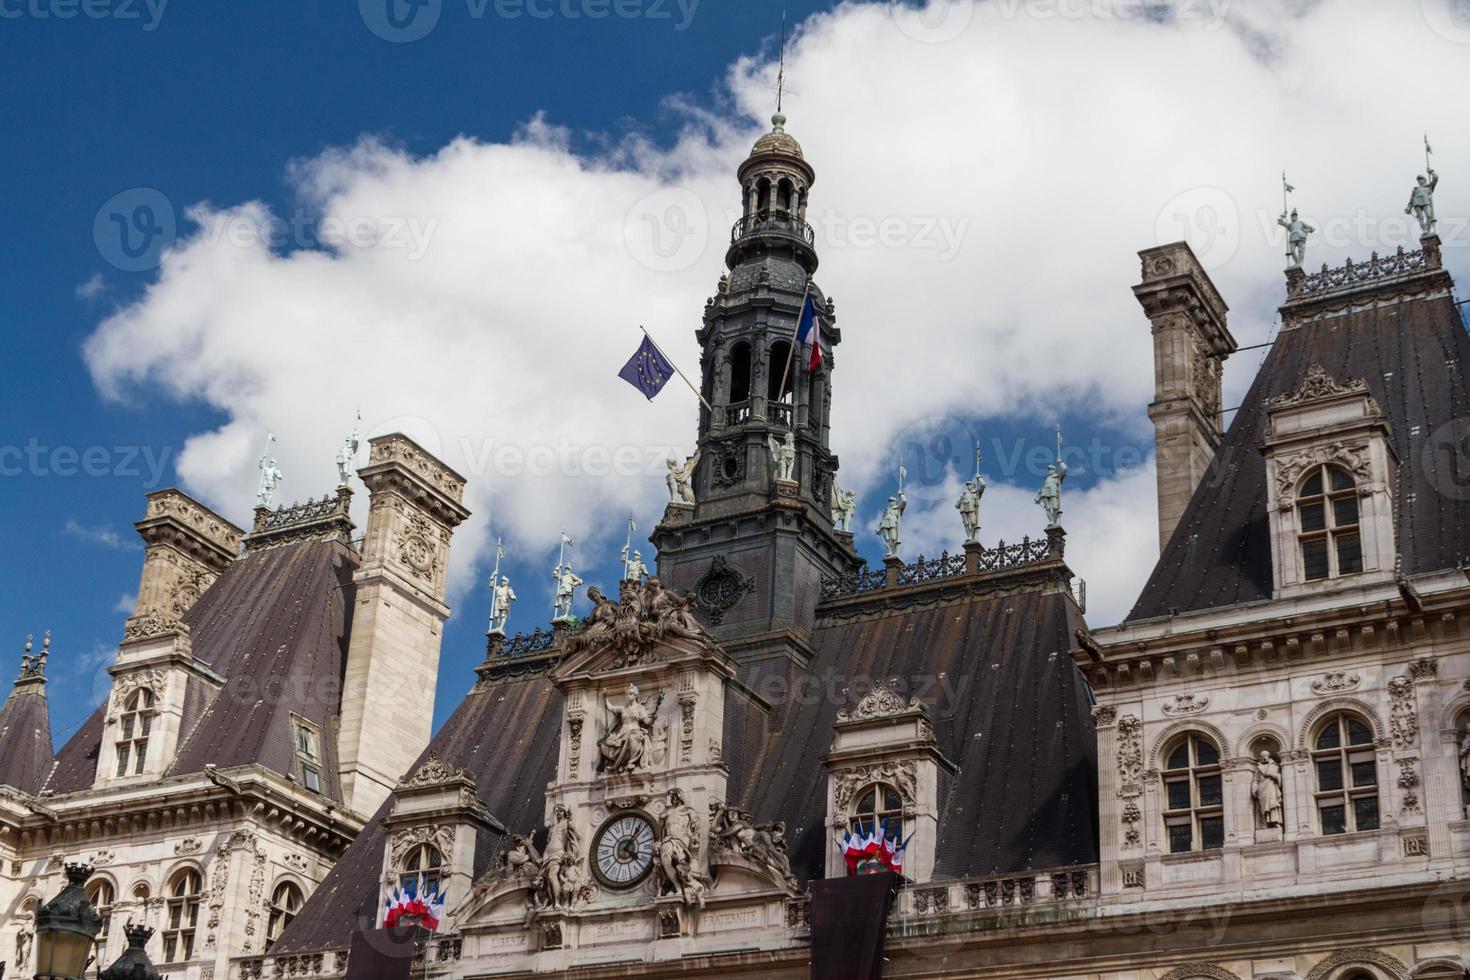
(644, 614)
(556, 877)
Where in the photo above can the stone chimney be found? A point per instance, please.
(1191, 343)
(186, 546)
(398, 617)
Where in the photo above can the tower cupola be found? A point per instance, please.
(775, 182)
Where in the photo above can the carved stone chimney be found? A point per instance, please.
(186, 546)
(1191, 343)
(398, 617)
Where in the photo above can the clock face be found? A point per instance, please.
(622, 849)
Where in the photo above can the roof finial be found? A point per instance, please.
(778, 121)
(45, 652)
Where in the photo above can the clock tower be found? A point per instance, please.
(759, 538)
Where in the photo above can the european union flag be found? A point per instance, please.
(647, 370)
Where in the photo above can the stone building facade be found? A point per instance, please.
(1260, 773)
(214, 788)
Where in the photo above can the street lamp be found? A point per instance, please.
(134, 963)
(66, 927)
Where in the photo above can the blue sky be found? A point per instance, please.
(228, 103)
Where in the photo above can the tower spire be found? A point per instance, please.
(781, 72)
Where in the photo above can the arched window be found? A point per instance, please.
(1346, 765)
(181, 917)
(763, 195)
(101, 894)
(879, 807)
(1194, 804)
(285, 903)
(1327, 519)
(778, 386)
(421, 869)
(134, 727)
(786, 195)
(739, 373)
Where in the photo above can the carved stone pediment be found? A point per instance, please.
(1318, 385)
(880, 702)
(649, 624)
(435, 771)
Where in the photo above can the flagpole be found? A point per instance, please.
(791, 350)
(666, 357)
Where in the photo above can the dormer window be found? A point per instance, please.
(1328, 519)
(308, 757)
(134, 727)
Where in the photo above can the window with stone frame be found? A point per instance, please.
(879, 807)
(422, 869)
(134, 727)
(101, 894)
(308, 755)
(286, 901)
(1328, 524)
(1194, 803)
(1345, 767)
(181, 915)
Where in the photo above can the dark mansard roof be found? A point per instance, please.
(25, 737)
(1405, 338)
(275, 626)
(1010, 710)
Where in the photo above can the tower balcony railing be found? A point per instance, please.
(773, 223)
(777, 413)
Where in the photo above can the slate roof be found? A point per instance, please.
(1017, 725)
(1413, 355)
(275, 625)
(25, 737)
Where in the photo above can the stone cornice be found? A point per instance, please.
(1279, 641)
(201, 799)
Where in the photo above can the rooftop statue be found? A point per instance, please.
(889, 525)
(783, 456)
(1297, 231)
(1421, 202)
(270, 475)
(566, 587)
(680, 479)
(844, 507)
(969, 503)
(348, 453)
(501, 596)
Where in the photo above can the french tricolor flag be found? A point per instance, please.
(404, 902)
(807, 329)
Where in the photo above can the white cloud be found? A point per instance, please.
(482, 298)
(92, 288)
(101, 535)
(125, 604)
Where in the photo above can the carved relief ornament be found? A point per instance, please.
(902, 775)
